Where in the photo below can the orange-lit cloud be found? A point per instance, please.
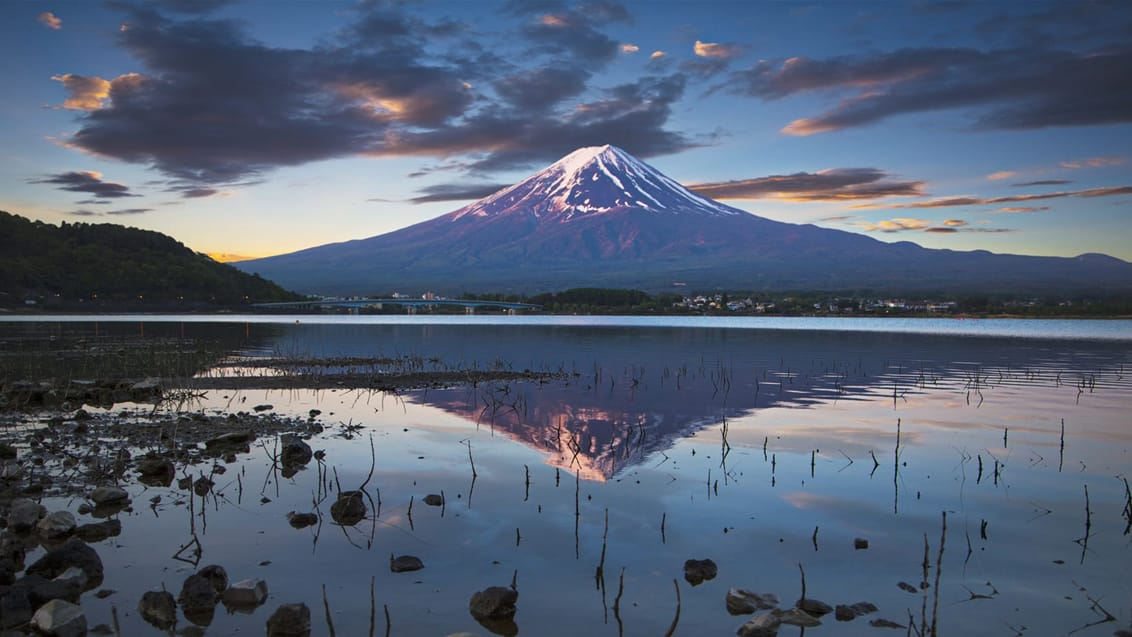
(836, 184)
(87, 93)
(554, 20)
(50, 20)
(947, 202)
(806, 126)
(1002, 174)
(87, 181)
(1094, 162)
(629, 48)
(716, 50)
(656, 55)
(1019, 209)
(898, 224)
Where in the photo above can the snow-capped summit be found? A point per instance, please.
(594, 180)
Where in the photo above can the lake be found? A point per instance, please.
(970, 475)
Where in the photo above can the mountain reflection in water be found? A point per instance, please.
(634, 391)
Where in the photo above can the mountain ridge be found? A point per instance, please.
(600, 217)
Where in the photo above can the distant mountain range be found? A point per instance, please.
(599, 217)
(109, 266)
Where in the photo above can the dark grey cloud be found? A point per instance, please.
(1043, 182)
(190, 6)
(456, 192)
(129, 211)
(83, 213)
(88, 182)
(839, 184)
(210, 106)
(950, 202)
(94, 202)
(1021, 88)
(541, 88)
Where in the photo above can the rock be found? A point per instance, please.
(349, 508)
(99, 531)
(860, 543)
(158, 609)
(265, 407)
(908, 588)
(885, 623)
(496, 602)
(764, 625)
(216, 575)
(744, 602)
(72, 553)
(247, 593)
(15, 607)
(434, 499)
(290, 620)
(11, 470)
(814, 607)
(301, 520)
(797, 617)
(109, 496)
(73, 574)
(41, 590)
(197, 592)
(405, 563)
(60, 619)
(153, 465)
(202, 486)
(697, 571)
(295, 451)
(23, 515)
(7, 451)
(849, 612)
(233, 440)
(57, 524)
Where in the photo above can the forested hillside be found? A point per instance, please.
(93, 265)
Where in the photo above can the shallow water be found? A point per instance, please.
(760, 448)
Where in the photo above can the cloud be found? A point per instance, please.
(197, 193)
(211, 106)
(629, 48)
(87, 93)
(1094, 162)
(456, 192)
(716, 50)
(191, 6)
(84, 213)
(50, 20)
(838, 184)
(656, 55)
(947, 202)
(1043, 182)
(129, 211)
(911, 224)
(1002, 174)
(1004, 89)
(86, 181)
(1019, 209)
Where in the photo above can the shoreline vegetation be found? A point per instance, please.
(606, 301)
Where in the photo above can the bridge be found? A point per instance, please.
(410, 305)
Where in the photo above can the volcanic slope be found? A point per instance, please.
(599, 217)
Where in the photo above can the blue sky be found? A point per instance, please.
(258, 128)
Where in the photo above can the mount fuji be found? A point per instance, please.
(600, 217)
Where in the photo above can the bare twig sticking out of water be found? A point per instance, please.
(599, 574)
(896, 471)
(471, 461)
(938, 573)
(388, 621)
(1096, 607)
(814, 539)
(326, 607)
(803, 572)
(409, 514)
(617, 602)
(1127, 507)
(663, 520)
(373, 608)
(1061, 448)
(577, 512)
(527, 493)
(1005, 433)
(1084, 540)
(675, 620)
(813, 461)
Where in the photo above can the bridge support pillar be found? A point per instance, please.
(511, 311)
(411, 309)
(353, 311)
(469, 310)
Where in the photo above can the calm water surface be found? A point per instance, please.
(763, 444)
